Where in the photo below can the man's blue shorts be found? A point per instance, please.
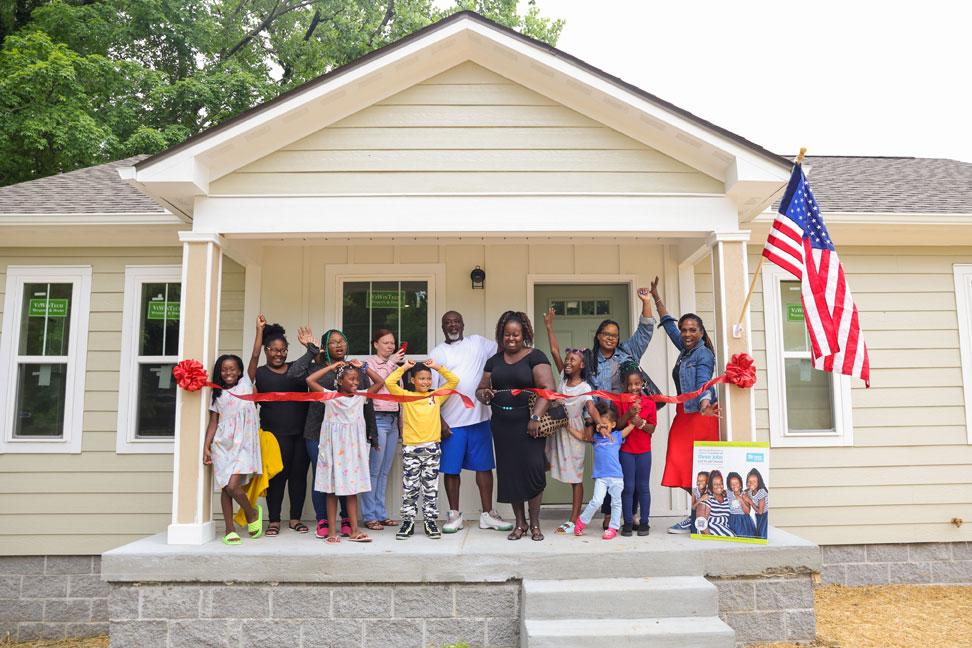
(469, 448)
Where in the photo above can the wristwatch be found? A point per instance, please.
(534, 417)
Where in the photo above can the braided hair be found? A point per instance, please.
(698, 320)
(272, 333)
(515, 316)
(339, 373)
(327, 338)
(627, 369)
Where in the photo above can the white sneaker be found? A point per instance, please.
(454, 522)
(492, 520)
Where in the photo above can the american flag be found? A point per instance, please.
(800, 244)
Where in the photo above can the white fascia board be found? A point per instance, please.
(662, 215)
(882, 218)
(132, 218)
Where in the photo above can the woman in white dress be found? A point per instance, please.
(233, 444)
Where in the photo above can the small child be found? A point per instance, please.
(233, 445)
(421, 444)
(636, 450)
(607, 474)
(343, 453)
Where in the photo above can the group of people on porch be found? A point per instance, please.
(465, 408)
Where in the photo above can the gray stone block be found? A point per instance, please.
(8, 631)
(503, 633)
(69, 611)
(68, 565)
(20, 610)
(122, 603)
(887, 553)
(398, 633)
(962, 550)
(27, 565)
(490, 601)
(957, 571)
(362, 602)
(301, 602)
(867, 574)
(931, 551)
(333, 633)
(138, 634)
(736, 595)
(85, 630)
(10, 587)
(910, 573)
(424, 602)
(841, 554)
(756, 626)
(99, 610)
(833, 574)
(44, 587)
(801, 625)
(40, 631)
(243, 602)
(170, 602)
(271, 633)
(785, 594)
(204, 633)
(446, 632)
(87, 586)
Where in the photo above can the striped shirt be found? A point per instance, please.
(718, 516)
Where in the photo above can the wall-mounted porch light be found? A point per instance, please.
(478, 277)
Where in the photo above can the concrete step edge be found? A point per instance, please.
(661, 626)
(594, 585)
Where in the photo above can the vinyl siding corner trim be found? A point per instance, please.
(963, 305)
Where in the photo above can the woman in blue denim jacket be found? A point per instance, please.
(607, 354)
(695, 420)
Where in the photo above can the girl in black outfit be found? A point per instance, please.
(285, 419)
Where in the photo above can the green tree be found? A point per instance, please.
(86, 81)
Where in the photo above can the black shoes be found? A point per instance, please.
(644, 530)
(406, 530)
(432, 530)
(626, 530)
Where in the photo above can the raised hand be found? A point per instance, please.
(432, 364)
(357, 364)
(261, 322)
(644, 295)
(396, 357)
(548, 317)
(305, 336)
(408, 364)
(654, 288)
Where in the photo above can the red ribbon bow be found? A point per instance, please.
(741, 371)
(191, 375)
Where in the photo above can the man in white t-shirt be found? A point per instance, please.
(470, 446)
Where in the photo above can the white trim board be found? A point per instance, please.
(963, 304)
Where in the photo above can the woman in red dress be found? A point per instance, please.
(695, 419)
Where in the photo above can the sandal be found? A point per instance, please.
(535, 534)
(566, 528)
(516, 533)
(232, 538)
(375, 525)
(389, 522)
(359, 537)
(300, 527)
(273, 530)
(255, 528)
(332, 539)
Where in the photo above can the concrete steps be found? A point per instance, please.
(592, 612)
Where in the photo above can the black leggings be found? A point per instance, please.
(293, 451)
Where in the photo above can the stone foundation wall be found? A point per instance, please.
(167, 615)
(52, 597)
(768, 609)
(883, 564)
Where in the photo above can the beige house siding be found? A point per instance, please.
(96, 500)
(465, 130)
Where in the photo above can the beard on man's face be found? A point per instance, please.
(452, 337)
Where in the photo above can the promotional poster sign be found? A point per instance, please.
(730, 498)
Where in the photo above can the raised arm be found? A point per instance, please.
(376, 381)
(638, 343)
(251, 367)
(312, 384)
(451, 379)
(548, 319)
(627, 430)
(301, 366)
(667, 321)
(391, 382)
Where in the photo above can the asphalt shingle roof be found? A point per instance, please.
(92, 190)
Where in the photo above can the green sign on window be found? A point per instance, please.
(163, 310)
(794, 312)
(384, 298)
(47, 308)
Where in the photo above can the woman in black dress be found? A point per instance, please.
(520, 458)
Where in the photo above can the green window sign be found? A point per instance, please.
(794, 312)
(47, 308)
(163, 310)
(384, 298)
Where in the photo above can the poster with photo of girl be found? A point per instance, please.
(730, 499)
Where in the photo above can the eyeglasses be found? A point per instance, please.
(608, 336)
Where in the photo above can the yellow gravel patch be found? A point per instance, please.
(94, 642)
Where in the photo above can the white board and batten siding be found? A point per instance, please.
(467, 130)
(89, 502)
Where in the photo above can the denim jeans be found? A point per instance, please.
(603, 486)
(380, 464)
(637, 482)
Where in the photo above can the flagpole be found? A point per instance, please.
(759, 266)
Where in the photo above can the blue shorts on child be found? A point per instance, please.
(469, 448)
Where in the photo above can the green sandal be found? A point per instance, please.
(232, 538)
(256, 526)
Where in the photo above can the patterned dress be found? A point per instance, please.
(718, 516)
(342, 464)
(236, 446)
(564, 452)
(739, 521)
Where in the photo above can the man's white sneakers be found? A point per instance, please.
(492, 520)
(454, 523)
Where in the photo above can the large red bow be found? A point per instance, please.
(191, 375)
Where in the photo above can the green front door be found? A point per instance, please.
(579, 309)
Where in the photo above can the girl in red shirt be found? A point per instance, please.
(636, 450)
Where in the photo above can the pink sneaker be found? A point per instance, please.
(609, 534)
(346, 527)
(321, 529)
(579, 527)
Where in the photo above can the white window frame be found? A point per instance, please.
(336, 275)
(963, 305)
(780, 435)
(135, 278)
(17, 276)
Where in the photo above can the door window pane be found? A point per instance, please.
(159, 314)
(794, 325)
(809, 397)
(40, 400)
(399, 306)
(45, 319)
(156, 401)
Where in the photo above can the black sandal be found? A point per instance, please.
(535, 534)
(516, 533)
(300, 527)
(273, 530)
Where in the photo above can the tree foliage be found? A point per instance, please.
(87, 81)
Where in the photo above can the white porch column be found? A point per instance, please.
(730, 279)
(202, 257)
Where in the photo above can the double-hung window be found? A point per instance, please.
(42, 358)
(150, 348)
(807, 407)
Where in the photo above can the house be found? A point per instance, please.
(468, 145)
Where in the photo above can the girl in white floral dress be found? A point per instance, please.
(233, 445)
(343, 454)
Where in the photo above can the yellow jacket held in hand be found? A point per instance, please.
(272, 464)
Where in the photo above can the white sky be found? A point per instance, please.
(841, 78)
